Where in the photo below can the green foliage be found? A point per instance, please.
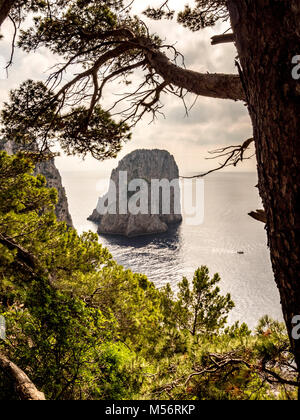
(90, 36)
(33, 119)
(205, 13)
(74, 140)
(82, 327)
(69, 26)
(59, 338)
(75, 22)
(201, 309)
(98, 41)
(27, 116)
(26, 213)
(22, 8)
(66, 344)
(163, 12)
(78, 324)
(276, 351)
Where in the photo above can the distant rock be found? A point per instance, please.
(146, 165)
(52, 175)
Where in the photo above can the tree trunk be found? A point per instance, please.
(25, 389)
(5, 6)
(268, 36)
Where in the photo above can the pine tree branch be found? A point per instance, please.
(176, 79)
(22, 254)
(232, 154)
(28, 260)
(222, 86)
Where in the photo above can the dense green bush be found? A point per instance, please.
(82, 327)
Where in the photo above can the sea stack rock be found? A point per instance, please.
(52, 175)
(143, 197)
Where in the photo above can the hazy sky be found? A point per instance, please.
(211, 124)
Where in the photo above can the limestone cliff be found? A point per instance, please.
(52, 175)
(145, 165)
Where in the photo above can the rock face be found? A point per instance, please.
(148, 166)
(52, 175)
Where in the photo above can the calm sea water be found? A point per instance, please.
(227, 229)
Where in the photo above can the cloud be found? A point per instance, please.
(211, 123)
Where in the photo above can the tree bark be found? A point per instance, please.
(222, 86)
(259, 215)
(25, 389)
(5, 7)
(222, 39)
(267, 36)
(213, 85)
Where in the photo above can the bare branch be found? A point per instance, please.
(219, 362)
(159, 65)
(13, 44)
(233, 154)
(101, 61)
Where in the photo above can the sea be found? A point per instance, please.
(228, 242)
